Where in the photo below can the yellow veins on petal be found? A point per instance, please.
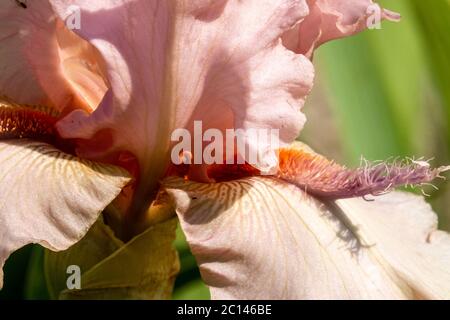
(23, 121)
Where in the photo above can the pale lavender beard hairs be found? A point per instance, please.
(320, 177)
(377, 179)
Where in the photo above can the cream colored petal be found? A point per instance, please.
(48, 197)
(402, 229)
(263, 239)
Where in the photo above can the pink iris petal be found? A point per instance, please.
(42, 62)
(170, 63)
(258, 238)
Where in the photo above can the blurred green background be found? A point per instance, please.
(381, 94)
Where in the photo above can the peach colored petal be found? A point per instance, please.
(259, 238)
(38, 63)
(48, 197)
(172, 62)
(405, 232)
(333, 19)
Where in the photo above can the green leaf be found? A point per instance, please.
(144, 268)
(189, 285)
(15, 270)
(434, 26)
(35, 284)
(194, 290)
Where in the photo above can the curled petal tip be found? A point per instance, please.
(391, 15)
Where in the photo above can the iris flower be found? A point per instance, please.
(86, 120)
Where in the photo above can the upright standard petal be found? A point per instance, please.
(42, 62)
(172, 62)
(317, 250)
(48, 197)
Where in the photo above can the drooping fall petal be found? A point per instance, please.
(333, 19)
(48, 197)
(42, 62)
(259, 238)
(172, 62)
(403, 229)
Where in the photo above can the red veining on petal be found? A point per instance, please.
(216, 172)
(227, 172)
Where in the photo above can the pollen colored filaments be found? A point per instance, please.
(17, 121)
(321, 177)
